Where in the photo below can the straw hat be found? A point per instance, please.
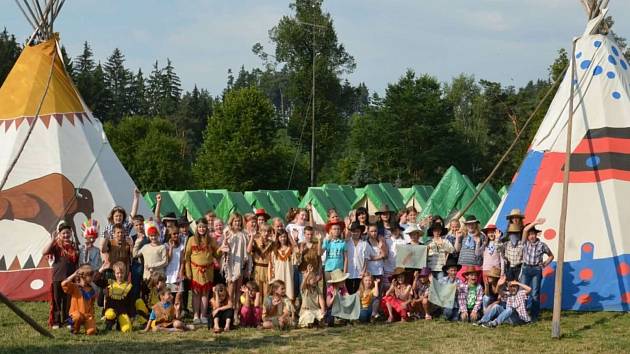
(494, 272)
(515, 213)
(412, 228)
(514, 229)
(336, 276)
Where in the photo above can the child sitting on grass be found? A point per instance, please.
(251, 310)
(368, 292)
(222, 309)
(165, 315)
(278, 311)
(313, 307)
(470, 296)
(82, 296)
(515, 311)
(420, 303)
(395, 303)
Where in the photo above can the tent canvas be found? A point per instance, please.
(232, 202)
(196, 203)
(261, 200)
(52, 179)
(597, 251)
(318, 199)
(373, 198)
(503, 191)
(417, 196)
(338, 199)
(394, 195)
(168, 205)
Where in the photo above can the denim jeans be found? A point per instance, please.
(137, 269)
(492, 313)
(532, 277)
(510, 316)
(365, 314)
(487, 300)
(451, 314)
(297, 281)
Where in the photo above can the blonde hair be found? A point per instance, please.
(362, 289)
(249, 217)
(306, 283)
(120, 266)
(233, 217)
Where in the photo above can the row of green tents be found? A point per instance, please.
(450, 195)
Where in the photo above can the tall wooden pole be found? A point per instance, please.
(557, 293)
(313, 117)
(31, 322)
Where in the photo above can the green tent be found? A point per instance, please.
(452, 194)
(490, 194)
(232, 202)
(349, 192)
(394, 195)
(404, 192)
(168, 205)
(339, 201)
(373, 198)
(320, 202)
(283, 200)
(417, 196)
(214, 197)
(291, 197)
(149, 197)
(502, 192)
(258, 199)
(196, 203)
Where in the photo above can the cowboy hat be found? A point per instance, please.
(469, 269)
(471, 219)
(398, 271)
(451, 262)
(262, 212)
(170, 217)
(183, 221)
(330, 224)
(514, 229)
(494, 272)
(489, 227)
(336, 276)
(412, 228)
(355, 225)
(534, 229)
(425, 272)
(437, 225)
(384, 210)
(515, 213)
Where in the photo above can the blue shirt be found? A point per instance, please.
(335, 250)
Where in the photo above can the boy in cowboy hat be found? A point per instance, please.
(514, 312)
(533, 264)
(357, 257)
(515, 218)
(450, 269)
(470, 296)
(513, 252)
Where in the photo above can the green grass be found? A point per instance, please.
(603, 332)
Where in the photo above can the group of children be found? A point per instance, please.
(272, 273)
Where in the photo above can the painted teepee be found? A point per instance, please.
(55, 162)
(597, 258)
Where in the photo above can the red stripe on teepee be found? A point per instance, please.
(46, 120)
(599, 145)
(79, 116)
(43, 262)
(7, 125)
(70, 118)
(30, 120)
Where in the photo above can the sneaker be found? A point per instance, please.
(204, 320)
(490, 324)
(55, 327)
(196, 320)
(478, 323)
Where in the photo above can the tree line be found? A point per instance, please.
(256, 133)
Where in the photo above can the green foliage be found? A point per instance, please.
(9, 52)
(151, 152)
(239, 151)
(118, 82)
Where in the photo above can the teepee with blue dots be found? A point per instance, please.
(597, 253)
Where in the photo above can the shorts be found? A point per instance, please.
(175, 287)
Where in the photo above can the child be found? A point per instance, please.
(533, 264)
(438, 249)
(395, 303)
(137, 268)
(199, 261)
(251, 310)
(454, 232)
(376, 252)
(117, 249)
(260, 248)
(175, 268)
(413, 234)
(235, 258)
(119, 304)
(357, 257)
(491, 286)
(222, 309)
(515, 219)
(389, 264)
(515, 303)
(154, 253)
(278, 311)
(82, 297)
(261, 217)
(469, 296)
(384, 223)
(513, 252)
(313, 307)
(368, 293)
(282, 258)
(469, 246)
(450, 269)
(311, 252)
(165, 316)
(420, 302)
(335, 247)
(336, 286)
(88, 253)
(492, 250)
(65, 258)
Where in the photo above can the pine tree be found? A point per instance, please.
(171, 90)
(67, 61)
(84, 75)
(101, 96)
(138, 104)
(9, 52)
(117, 82)
(154, 90)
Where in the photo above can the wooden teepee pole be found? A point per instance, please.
(25, 317)
(557, 293)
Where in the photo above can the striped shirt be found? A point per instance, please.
(438, 253)
(533, 252)
(514, 253)
(462, 296)
(518, 302)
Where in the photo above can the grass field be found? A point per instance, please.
(602, 332)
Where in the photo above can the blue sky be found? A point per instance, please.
(510, 41)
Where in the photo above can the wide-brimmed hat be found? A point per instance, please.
(451, 262)
(437, 225)
(333, 223)
(471, 219)
(63, 225)
(469, 269)
(412, 228)
(336, 276)
(361, 210)
(515, 213)
(425, 272)
(262, 212)
(384, 210)
(494, 272)
(514, 229)
(356, 225)
(183, 221)
(398, 271)
(534, 229)
(170, 217)
(489, 227)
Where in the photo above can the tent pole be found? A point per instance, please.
(31, 322)
(557, 292)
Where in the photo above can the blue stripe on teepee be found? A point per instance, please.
(521, 188)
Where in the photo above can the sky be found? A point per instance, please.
(509, 41)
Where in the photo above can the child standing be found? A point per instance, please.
(199, 259)
(82, 297)
(278, 311)
(395, 303)
(283, 257)
(222, 309)
(389, 265)
(438, 249)
(313, 307)
(88, 253)
(335, 247)
(492, 251)
(117, 249)
(154, 254)
(251, 300)
(470, 296)
(260, 248)
(175, 268)
(420, 302)
(368, 293)
(357, 257)
(235, 258)
(533, 263)
(65, 259)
